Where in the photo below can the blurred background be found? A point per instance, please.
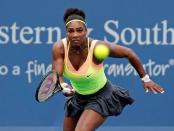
(28, 30)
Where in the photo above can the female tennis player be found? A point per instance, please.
(95, 97)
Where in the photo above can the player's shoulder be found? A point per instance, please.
(60, 43)
(58, 46)
(98, 41)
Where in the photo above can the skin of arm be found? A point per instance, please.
(124, 52)
(58, 59)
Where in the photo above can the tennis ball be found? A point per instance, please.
(101, 51)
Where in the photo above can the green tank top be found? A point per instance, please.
(89, 78)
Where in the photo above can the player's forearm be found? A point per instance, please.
(57, 65)
(136, 63)
(60, 73)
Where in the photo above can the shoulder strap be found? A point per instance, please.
(91, 50)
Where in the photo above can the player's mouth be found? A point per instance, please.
(76, 41)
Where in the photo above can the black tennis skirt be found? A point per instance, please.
(108, 101)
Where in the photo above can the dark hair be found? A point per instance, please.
(73, 11)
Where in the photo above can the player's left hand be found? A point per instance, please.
(153, 87)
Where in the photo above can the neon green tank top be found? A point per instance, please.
(89, 78)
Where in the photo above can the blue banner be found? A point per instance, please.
(28, 30)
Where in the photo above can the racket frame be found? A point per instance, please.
(55, 90)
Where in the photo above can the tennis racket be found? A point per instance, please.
(48, 86)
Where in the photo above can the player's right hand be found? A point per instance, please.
(67, 90)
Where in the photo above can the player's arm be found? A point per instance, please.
(57, 64)
(124, 52)
(58, 59)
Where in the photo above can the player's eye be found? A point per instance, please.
(70, 31)
(79, 30)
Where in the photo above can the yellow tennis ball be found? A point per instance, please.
(101, 51)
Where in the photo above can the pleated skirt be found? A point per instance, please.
(108, 101)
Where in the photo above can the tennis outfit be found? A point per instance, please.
(92, 89)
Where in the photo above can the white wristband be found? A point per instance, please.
(146, 78)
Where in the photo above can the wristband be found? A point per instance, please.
(146, 78)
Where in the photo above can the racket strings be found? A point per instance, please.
(47, 88)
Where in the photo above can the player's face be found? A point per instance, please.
(76, 33)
